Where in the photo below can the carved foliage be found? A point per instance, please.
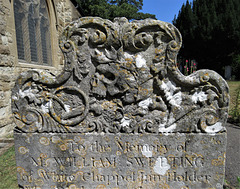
(120, 77)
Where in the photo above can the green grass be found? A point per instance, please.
(8, 172)
(233, 85)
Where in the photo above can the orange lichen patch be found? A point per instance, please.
(23, 150)
(204, 77)
(219, 161)
(32, 128)
(19, 80)
(175, 67)
(44, 141)
(143, 91)
(24, 119)
(162, 150)
(158, 51)
(46, 114)
(164, 186)
(63, 147)
(128, 59)
(66, 126)
(78, 174)
(21, 171)
(29, 84)
(58, 118)
(42, 155)
(203, 124)
(118, 153)
(129, 64)
(155, 69)
(109, 105)
(94, 83)
(59, 88)
(101, 186)
(17, 115)
(212, 120)
(73, 186)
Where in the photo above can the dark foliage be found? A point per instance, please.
(211, 33)
(110, 9)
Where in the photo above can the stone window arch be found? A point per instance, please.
(32, 25)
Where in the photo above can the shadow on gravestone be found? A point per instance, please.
(120, 115)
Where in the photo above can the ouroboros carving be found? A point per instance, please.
(80, 114)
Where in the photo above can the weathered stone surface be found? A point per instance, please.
(149, 161)
(120, 79)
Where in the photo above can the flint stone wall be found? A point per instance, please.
(120, 109)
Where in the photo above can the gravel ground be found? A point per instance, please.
(233, 154)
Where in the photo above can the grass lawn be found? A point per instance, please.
(8, 170)
(233, 85)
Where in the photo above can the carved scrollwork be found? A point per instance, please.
(210, 122)
(120, 77)
(69, 105)
(32, 120)
(67, 46)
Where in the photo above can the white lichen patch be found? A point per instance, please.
(67, 108)
(214, 128)
(146, 151)
(176, 99)
(140, 62)
(125, 122)
(199, 97)
(45, 107)
(131, 78)
(169, 87)
(145, 103)
(27, 93)
(168, 125)
(163, 129)
(56, 139)
(161, 166)
(170, 90)
(14, 97)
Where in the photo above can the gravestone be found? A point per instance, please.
(228, 72)
(120, 115)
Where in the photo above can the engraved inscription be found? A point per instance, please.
(120, 161)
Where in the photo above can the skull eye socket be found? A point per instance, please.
(143, 40)
(109, 76)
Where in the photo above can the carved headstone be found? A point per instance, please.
(120, 115)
